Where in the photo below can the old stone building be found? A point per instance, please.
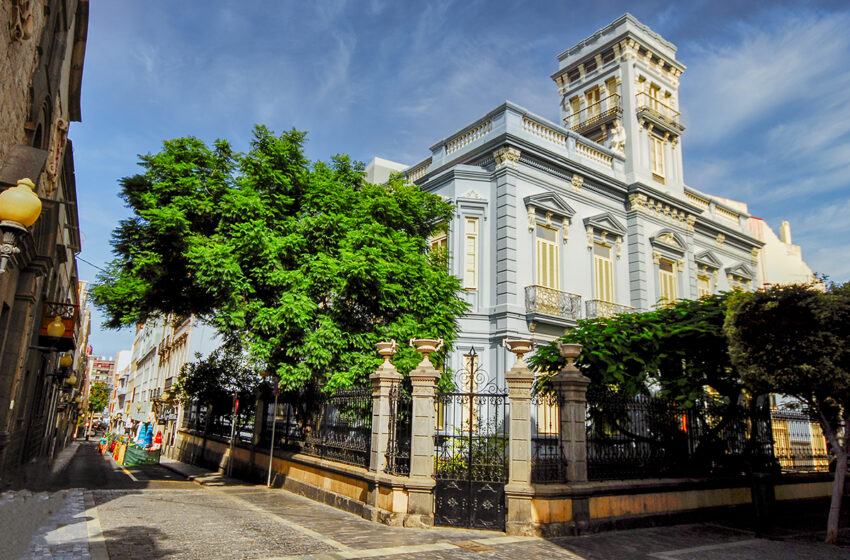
(42, 47)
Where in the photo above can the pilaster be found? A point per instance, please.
(420, 507)
(383, 379)
(518, 490)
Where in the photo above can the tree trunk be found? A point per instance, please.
(838, 486)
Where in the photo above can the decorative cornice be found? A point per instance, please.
(662, 211)
(506, 157)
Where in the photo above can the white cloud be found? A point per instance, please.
(794, 61)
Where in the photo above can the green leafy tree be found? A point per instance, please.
(675, 353)
(213, 381)
(795, 340)
(307, 264)
(98, 397)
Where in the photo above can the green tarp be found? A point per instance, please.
(138, 456)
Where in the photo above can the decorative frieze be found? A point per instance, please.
(577, 182)
(662, 211)
(506, 157)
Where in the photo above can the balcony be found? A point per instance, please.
(600, 309)
(595, 115)
(666, 118)
(563, 307)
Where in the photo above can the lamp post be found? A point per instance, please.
(20, 207)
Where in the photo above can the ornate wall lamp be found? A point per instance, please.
(19, 209)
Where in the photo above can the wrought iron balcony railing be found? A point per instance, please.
(659, 113)
(547, 301)
(597, 309)
(595, 114)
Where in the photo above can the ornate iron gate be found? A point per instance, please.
(398, 445)
(471, 452)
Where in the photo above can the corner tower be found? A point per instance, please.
(620, 88)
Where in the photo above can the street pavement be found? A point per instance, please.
(94, 509)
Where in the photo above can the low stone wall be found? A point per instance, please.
(374, 496)
(556, 509)
(570, 509)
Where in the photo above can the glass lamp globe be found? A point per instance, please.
(66, 360)
(72, 379)
(20, 204)
(56, 328)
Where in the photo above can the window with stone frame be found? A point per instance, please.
(704, 285)
(603, 272)
(470, 254)
(667, 282)
(656, 146)
(547, 253)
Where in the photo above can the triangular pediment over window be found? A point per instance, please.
(550, 202)
(605, 222)
(741, 270)
(670, 240)
(708, 260)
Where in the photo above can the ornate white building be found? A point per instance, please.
(589, 216)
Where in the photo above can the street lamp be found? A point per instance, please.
(20, 207)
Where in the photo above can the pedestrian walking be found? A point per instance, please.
(102, 446)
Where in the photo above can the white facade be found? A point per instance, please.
(587, 217)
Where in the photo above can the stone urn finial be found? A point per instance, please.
(426, 347)
(520, 347)
(387, 350)
(570, 352)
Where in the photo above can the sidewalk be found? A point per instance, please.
(199, 474)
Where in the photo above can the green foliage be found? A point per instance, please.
(795, 340)
(308, 265)
(98, 397)
(677, 349)
(213, 380)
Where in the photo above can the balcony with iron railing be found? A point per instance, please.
(542, 303)
(599, 309)
(659, 114)
(595, 115)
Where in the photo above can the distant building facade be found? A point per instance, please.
(42, 47)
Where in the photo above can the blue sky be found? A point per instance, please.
(765, 98)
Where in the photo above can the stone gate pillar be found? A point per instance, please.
(571, 387)
(420, 487)
(383, 379)
(518, 490)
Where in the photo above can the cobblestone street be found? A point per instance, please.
(95, 509)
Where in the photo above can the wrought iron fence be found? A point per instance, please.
(548, 463)
(799, 444)
(287, 432)
(398, 446)
(343, 431)
(540, 299)
(647, 436)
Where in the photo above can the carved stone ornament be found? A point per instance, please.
(618, 138)
(577, 182)
(637, 201)
(21, 20)
(565, 229)
(656, 257)
(532, 218)
(619, 246)
(754, 253)
(590, 237)
(721, 239)
(506, 157)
